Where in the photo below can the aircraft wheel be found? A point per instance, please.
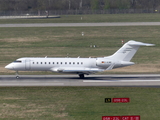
(17, 77)
(81, 76)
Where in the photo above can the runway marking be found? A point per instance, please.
(121, 80)
(29, 84)
(81, 24)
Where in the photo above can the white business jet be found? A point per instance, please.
(80, 66)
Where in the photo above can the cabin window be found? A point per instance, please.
(33, 62)
(49, 63)
(37, 62)
(78, 63)
(53, 62)
(45, 63)
(61, 63)
(41, 62)
(81, 62)
(57, 62)
(69, 62)
(65, 62)
(73, 62)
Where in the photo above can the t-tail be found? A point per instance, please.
(126, 53)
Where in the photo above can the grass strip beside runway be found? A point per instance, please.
(94, 18)
(68, 41)
(77, 103)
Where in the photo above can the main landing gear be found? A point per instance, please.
(81, 76)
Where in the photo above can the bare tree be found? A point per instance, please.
(95, 4)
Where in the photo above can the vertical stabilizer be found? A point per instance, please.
(128, 50)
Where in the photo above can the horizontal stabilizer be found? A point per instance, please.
(135, 43)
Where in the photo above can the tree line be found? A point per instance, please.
(35, 5)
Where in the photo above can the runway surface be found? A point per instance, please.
(151, 80)
(81, 24)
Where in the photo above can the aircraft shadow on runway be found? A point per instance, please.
(108, 78)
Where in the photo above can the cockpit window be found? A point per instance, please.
(17, 61)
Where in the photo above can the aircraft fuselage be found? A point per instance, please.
(57, 64)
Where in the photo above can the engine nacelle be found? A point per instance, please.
(104, 63)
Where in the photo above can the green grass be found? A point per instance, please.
(77, 103)
(68, 41)
(59, 41)
(90, 18)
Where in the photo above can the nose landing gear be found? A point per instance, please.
(17, 75)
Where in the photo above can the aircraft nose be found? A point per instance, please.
(9, 66)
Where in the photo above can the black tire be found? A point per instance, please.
(81, 76)
(17, 77)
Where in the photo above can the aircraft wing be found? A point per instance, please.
(77, 70)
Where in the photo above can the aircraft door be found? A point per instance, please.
(27, 64)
